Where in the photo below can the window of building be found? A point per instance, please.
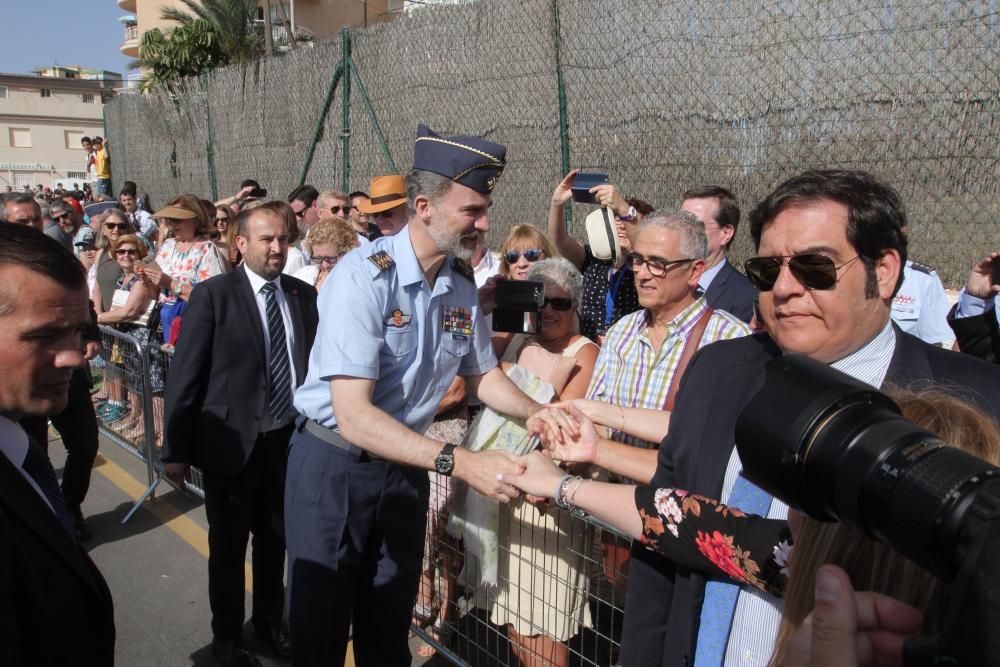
(20, 137)
(46, 92)
(88, 98)
(76, 175)
(3, 92)
(23, 178)
(72, 138)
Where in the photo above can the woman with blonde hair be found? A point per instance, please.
(328, 241)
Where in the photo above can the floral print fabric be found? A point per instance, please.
(702, 534)
(189, 267)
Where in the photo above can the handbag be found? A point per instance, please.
(615, 551)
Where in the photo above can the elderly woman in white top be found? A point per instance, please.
(328, 241)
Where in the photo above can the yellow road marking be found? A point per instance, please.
(184, 527)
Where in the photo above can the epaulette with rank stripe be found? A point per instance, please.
(923, 268)
(463, 268)
(382, 260)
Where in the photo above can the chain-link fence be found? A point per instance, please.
(660, 95)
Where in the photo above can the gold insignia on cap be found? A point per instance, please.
(491, 182)
(382, 260)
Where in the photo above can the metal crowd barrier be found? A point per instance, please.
(563, 575)
(556, 573)
(129, 378)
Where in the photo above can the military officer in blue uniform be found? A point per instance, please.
(398, 319)
(921, 307)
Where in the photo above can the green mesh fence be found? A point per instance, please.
(660, 95)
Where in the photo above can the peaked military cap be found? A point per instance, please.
(474, 163)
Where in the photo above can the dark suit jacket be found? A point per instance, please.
(978, 335)
(216, 389)
(664, 602)
(732, 291)
(55, 606)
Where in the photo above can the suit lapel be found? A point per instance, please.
(248, 301)
(298, 327)
(25, 503)
(719, 282)
(909, 362)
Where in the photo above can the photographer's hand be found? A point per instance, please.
(608, 195)
(564, 191)
(874, 624)
(980, 283)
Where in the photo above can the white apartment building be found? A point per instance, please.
(43, 117)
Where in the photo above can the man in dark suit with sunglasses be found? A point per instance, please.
(830, 257)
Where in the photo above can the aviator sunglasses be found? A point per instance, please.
(531, 254)
(813, 270)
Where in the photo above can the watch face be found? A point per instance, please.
(444, 463)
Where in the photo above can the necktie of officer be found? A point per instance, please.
(39, 468)
(721, 596)
(280, 390)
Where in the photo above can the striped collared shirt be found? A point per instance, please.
(758, 614)
(631, 373)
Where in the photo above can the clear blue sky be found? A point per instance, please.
(67, 32)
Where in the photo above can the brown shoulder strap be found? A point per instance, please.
(690, 347)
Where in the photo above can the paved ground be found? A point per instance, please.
(155, 565)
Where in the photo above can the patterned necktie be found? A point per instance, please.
(280, 391)
(38, 466)
(720, 596)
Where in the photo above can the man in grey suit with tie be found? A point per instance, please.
(241, 353)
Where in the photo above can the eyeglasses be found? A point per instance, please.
(531, 254)
(301, 213)
(813, 270)
(64, 216)
(331, 260)
(558, 303)
(121, 226)
(383, 214)
(226, 220)
(126, 251)
(342, 209)
(657, 267)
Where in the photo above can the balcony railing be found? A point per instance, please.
(131, 33)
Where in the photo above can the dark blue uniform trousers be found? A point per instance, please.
(354, 527)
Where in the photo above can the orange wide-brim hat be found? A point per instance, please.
(386, 192)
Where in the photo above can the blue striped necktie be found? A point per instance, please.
(280, 390)
(39, 468)
(720, 596)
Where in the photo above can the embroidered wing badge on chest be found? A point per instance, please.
(397, 319)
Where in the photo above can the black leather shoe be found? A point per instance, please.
(277, 640)
(231, 654)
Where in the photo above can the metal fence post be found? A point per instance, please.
(345, 133)
(327, 101)
(210, 147)
(563, 115)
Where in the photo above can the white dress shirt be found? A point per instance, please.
(14, 445)
(257, 282)
(758, 614)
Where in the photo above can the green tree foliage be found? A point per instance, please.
(213, 34)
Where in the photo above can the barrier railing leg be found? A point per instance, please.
(145, 496)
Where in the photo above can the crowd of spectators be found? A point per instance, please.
(620, 352)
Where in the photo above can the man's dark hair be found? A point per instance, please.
(875, 214)
(275, 207)
(249, 181)
(128, 188)
(729, 210)
(306, 194)
(83, 139)
(23, 245)
(641, 206)
(358, 193)
(15, 197)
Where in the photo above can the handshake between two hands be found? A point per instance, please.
(566, 434)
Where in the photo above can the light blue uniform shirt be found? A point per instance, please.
(390, 326)
(921, 307)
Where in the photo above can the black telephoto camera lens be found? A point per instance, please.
(838, 450)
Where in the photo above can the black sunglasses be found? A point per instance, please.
(657, 267)
(559, 303)
(531, 254)
(342, 209)
(64, 216)
(813, 270)
(122, 226)
(126, 251)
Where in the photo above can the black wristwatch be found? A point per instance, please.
(445, 461)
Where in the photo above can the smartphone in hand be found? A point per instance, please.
(995, 279)
(582, 183)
